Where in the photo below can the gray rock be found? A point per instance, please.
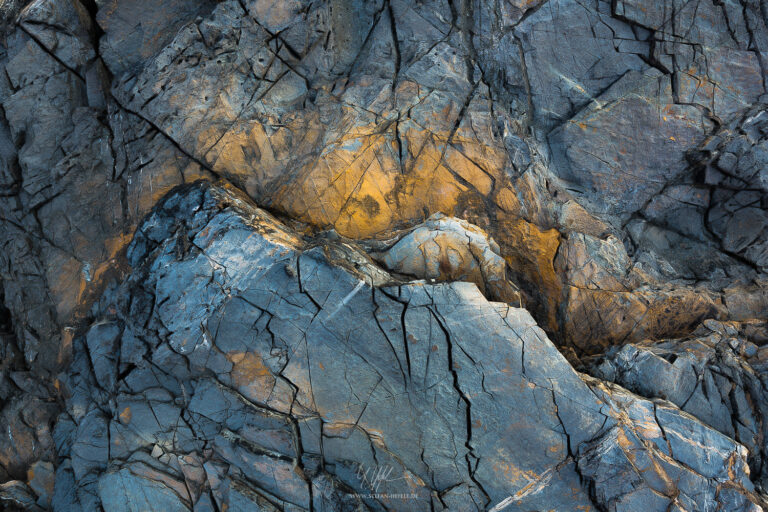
(716, 375)
(41, 480)
(573, 52)
(135, 31)
(102, 343)
(26, 422)
(609, 151)
(293, 384)
(123, 491)
(17, 494)
(449, 249)
(705, 45)
(661, 458)
(179, 348)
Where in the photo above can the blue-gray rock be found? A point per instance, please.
(279, 375)
(602, 164)
(717, 375)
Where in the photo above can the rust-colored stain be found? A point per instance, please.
(248, 368)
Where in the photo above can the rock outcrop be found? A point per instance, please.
(717, 375)
(242, 366)
(450, 249)
(324, 254)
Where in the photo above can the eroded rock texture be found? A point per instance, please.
(240, 366)
(344, 255)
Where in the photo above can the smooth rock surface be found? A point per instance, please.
(450, 249)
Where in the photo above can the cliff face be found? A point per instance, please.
(340, 255)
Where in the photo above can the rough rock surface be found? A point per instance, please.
(240, 365)
(532, 178)
(450, 249)
(717, 375)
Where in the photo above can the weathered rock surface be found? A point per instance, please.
(601, 164)
(717, 375)
(362, 118)
(255, 368)
(450, 249)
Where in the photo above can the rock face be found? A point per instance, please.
(344, 255)
(716, 375)
(241, 366)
